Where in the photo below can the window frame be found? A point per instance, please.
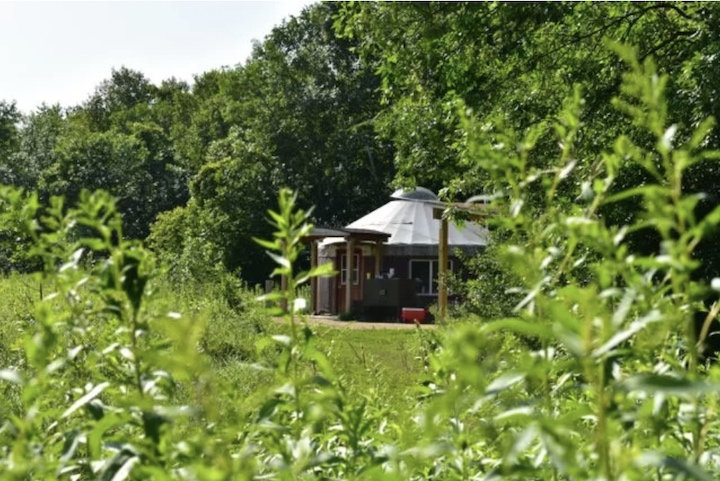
(433, 275)
(355, 272)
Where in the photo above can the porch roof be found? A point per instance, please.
(319, 233)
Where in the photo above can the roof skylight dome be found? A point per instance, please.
(419, 194)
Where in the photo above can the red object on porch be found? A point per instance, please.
(413, 314)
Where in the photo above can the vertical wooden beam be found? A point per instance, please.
(313, 280)
(378, 257)
(443, 265)
(348, 274)
(283, 289)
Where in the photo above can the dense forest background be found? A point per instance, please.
(346, 101)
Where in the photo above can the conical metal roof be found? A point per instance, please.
(410, 222)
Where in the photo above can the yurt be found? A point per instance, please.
(400, 241)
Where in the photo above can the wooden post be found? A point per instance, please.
(313, 280)
(283, 289)
(443, 265)
(378, 257)
(269, 287)
(348, 274)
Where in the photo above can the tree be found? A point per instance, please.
(36, 153)
(122, 98)
(226, 211)
(314, 110)
(510, 65)
(123, 139)
(513, 64)
(299, 113)
(9, 139)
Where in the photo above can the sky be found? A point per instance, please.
(58, 52)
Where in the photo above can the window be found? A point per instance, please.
(355, 271)
(426, 271)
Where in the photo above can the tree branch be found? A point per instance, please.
(668, 41)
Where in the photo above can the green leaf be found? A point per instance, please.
(681, 466)
(643, 190)
(282, 339)
(269, 408)
(93, 243)
(267, 244)
(11, 375)
(280, 260)
(96, 435)
(625, 334)
(92, 394)
(670, 385)
(322, 363)
(503, 382)
(701, 132)
(125, 463)
(519, 326)
(72, 441)
(522, 442)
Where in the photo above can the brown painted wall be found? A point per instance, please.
(402, 264)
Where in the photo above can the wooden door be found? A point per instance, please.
(358, 275)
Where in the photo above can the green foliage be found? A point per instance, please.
(610, 321)
(490, 291)
(233, 330)
(231, 196)
(17, 213)
(515, 63)
(314, 113)
(298, 113)
(595, 376)
(36, 153)
(91, 327)
(9, 137)
(181, 240)
(595, 372)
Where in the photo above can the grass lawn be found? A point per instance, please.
(379, 364)
(387, 361)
